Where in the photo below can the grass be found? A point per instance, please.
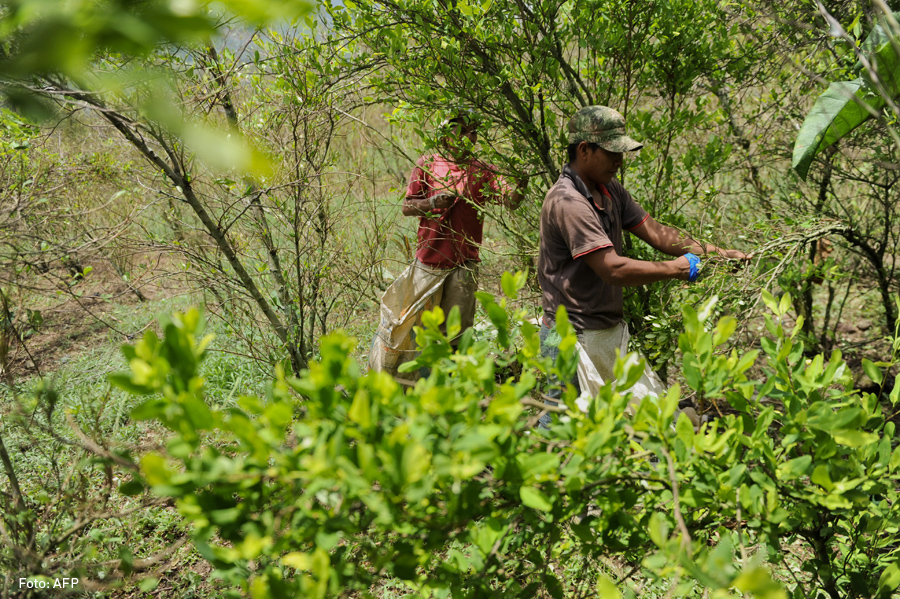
(63, 482)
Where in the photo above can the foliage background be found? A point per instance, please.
(162, 150)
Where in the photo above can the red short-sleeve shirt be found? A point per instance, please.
(454, 235)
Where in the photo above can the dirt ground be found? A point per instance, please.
(83, 315)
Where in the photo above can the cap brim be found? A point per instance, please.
(621, 144)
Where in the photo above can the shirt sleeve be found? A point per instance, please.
(493, 186)
(633, 216)
(418, 186)
(580, 228)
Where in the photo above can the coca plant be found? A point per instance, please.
(340, 481)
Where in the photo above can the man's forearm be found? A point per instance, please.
(708, 248)
(625, 272)
(518, 194)
(515, 199)
(673, 243)
(679, 244)
(418, 207)
(633, 273)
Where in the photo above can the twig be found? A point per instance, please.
(144, 564)
(676, 503)
(744, 559)
(91, 446)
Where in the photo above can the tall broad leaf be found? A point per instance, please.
(837, 112)
(846, 105)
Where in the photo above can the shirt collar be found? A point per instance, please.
(580, 186)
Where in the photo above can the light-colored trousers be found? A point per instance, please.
(458, 289)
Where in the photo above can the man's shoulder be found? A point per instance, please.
(564, 206)
(481, 164)
(616, 187)
(617, 190)
(563, 191)
(426, 159)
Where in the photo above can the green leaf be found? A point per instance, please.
(854, 438)
(793, 469)
(843, 107)
(872, 371)
(454, 322)
(198, 413)
(155, 470)
(784, 305)
(895, 459)
(223, 150)
(821, 477)
(636, 366)
(127, 560)
(770, 301)
(537, 463)
(535, 498)
(658, 528)
(758, 582)
(154, 408)
(360, 410)
(846, 105)
(684, 430)
(889, 579)
(724, 329)
(500, 319)
(487, 532)
(554, 587)
(131, 488)
(433, 319)
(415, 462)
(607, 589)
(508, 284)
(691, 371)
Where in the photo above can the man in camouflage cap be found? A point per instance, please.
(581, 264)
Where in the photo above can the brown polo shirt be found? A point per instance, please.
(573, 225)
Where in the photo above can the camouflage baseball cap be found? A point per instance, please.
(602, 126)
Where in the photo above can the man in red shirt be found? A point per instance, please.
(448, 192)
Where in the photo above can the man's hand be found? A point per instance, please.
(425, 207)
(626, 272)
(514, 200)
(732, 254)
(441, 200)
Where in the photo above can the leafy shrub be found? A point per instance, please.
(339, 481)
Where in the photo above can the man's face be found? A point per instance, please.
(461, 139)
(602, 165)
(469, 132)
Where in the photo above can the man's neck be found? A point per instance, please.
(589, 183)
(593, 188)
(458, 155)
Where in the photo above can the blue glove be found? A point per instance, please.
(695, 267)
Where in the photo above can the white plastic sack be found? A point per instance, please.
(589, 379)
(416, 290)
